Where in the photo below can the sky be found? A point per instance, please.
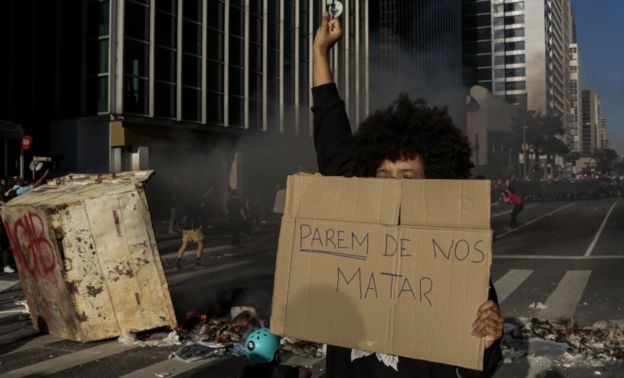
(600, 34)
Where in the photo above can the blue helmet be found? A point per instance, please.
(262, 346)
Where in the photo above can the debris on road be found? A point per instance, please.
(564, 343)
(538, 306)
(162, 375)
(158, 339)
(205, 337)
(197, 351)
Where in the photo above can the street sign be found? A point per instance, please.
(27, 142)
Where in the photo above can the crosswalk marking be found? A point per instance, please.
(171, 366)
(562, 302)
(558, 257)
(509, 282)
(55, 365)
(36, 343)
(591, 247)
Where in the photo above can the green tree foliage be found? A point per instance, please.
(542, 133)
(606, 160)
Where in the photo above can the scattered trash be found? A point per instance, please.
(564, 343)
(597, 373)
(162, 375)
(159, 339)
(127, 338)
(196, 351)
(538, 306)
(237, 310)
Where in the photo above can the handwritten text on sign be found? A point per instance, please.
(360, 245)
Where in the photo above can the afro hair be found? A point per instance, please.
(409, 129)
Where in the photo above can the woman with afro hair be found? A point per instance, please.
(408, 140)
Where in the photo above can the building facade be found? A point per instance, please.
(591, 122)
(178, 86)
(575, 123)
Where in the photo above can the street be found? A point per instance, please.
(568, 256)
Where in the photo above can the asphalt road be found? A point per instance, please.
(566, 255)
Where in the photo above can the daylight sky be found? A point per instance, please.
(600, 34)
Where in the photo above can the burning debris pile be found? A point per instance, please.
(565, 343)
(201, 337)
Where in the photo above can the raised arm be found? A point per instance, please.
(332, 132)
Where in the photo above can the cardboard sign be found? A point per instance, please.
(391, 266)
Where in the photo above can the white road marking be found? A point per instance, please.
(7, 285)
(591, 247)
(509, 282)
(55, 365)
(509, 211)
(558, 257)
(562, 302)
(36, 343)
(536, 219)
(172, 366)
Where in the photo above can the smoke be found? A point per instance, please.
(424, 62)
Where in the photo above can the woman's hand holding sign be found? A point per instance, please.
(489, 323)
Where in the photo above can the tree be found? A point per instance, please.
(606, 160)
(542, 133)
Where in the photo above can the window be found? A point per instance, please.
(511, 46)
(166, 29)
(511, 59)
(515, 85)
(137, 21)
(499, 86)
(510, 20)
(136, 58)
(164, 99)
(498, 21)
(518, 32)
(515, 72)
(514, 6)
(165, 64)
(499, 47)
(499, 73)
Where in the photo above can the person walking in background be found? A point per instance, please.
(279, 203)
(191, 223)
(513, 198)
(174, 196)
(7, 258)
(236, 216)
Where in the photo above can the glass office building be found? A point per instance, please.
(118, 75)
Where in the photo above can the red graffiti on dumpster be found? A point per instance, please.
(31, 247)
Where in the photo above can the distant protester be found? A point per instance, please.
(236, 216)
(513, 198)
(191, 222)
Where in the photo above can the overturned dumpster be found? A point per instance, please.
(87, 256)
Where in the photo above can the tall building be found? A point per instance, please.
(184, 87)
(519, 50)
(591, 122)
(415, 47)
(575, 122)
(603, 139)
(477, 47)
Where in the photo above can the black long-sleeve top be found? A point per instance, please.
(333, 141)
